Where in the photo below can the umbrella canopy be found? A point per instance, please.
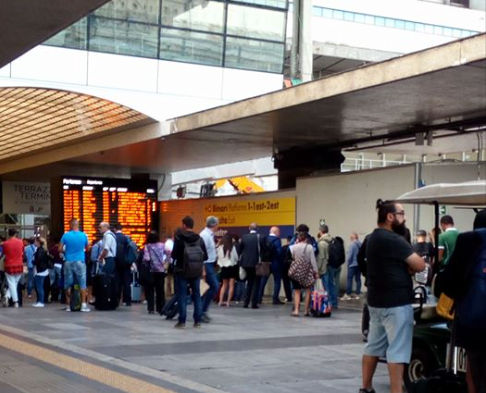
(471, 193)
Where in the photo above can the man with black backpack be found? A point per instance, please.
(126, 256)
(336, 258)
(189, 254)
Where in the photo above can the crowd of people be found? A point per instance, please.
(238, 269)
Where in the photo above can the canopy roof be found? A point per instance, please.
(472, 193)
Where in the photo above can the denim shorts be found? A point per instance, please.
(391, 333)
(74, 272)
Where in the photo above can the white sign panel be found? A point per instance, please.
(26, 198)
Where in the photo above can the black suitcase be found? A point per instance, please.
(171, 308)
(443, 380)
(106, 292)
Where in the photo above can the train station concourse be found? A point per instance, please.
(220, 196)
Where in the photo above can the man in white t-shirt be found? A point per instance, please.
(107, 256)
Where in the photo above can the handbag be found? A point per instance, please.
(445, 307)
(145, 271)
(242, 273)
(301, 271)
(263, 269)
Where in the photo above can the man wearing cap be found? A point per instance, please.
(207, 234)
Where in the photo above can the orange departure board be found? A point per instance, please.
(128, 202)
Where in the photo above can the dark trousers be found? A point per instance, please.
(287, 283)
(253, 287)
(124, 281)
(276, 271)
(109, 266)
(181, 290)
(155, 293)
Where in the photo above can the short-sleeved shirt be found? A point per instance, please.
(447, 242)
(425, 250)
(389, 281)
(109, 244)
(75, 242)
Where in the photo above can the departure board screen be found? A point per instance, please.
(131, 203)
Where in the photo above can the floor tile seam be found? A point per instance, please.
(110, 360)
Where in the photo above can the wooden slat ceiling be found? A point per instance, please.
(33, 119)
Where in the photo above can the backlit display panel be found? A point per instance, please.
(132, 203)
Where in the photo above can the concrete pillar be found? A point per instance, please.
(301, 54)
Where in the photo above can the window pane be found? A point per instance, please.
(400, 24)
(380, 21)
(192, 47)
(456, 33)
(193, 14)
(370, 19)
(409, 26)
(349, 16)
(448, 31)
(420, 27)
(390, 22)
(269, 3)
(317, 11)
(254, 55)
(326, 13)
(112, 36)
(133, 10)
(74, 36)
(429, 29)
(360, 18)
(256, 23)
(338, 14)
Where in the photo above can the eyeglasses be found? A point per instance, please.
(402, 213)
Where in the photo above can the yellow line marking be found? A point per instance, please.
(95, 373)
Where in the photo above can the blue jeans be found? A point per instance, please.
(31, 282)
(212, 281)
(181, 288)
(353, 273)
(240, 289)
(39, 287)
(277, 282)
(330, 281)
(74, 273)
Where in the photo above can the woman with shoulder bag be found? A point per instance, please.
(153, 273)
(228, 261)
(303, 272)
(41, 264)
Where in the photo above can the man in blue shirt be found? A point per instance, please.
(210, 265)
(29, 251)
(73, 245)
(353, 269)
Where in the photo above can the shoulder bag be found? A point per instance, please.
(301, 271)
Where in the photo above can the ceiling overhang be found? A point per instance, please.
(25, 24)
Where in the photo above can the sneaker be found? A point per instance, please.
(179, 325)
(85, 308)
(38, 305)
(197, 325)
(68, 309)
(277, 303)
(346, 297)
(16, 305)
(366, 391)
(356, 297)
(205, 318)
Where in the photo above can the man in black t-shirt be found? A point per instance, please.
(390, 261)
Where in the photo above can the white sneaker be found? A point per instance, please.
(85, 308)
(345, 297)
(68, 309)
(356, 297)
(38, 305)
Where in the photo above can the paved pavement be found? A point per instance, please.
(240, 351)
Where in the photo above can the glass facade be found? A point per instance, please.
(389, 22)
(246, 34)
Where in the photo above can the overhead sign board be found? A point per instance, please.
(26, 198)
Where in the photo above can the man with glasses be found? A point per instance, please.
(391, 261)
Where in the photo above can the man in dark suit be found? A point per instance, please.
(250, 256)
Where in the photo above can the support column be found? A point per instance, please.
(301, 56)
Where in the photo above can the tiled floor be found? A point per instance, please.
(240, 351)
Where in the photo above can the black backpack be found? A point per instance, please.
(267, 249)
(193, 260)
(337, 256)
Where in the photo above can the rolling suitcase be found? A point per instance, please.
(320, 302)
(443, 380)
(135, 289)
(106, 292)
(171, 308)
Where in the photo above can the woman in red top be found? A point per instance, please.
(13, 249)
